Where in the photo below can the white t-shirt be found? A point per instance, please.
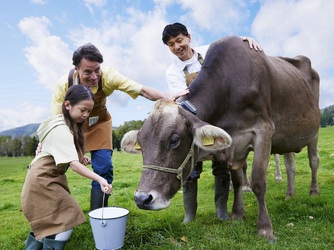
(174, 74)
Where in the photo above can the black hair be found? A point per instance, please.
(75, 94)
(173, 30)
(87, 51)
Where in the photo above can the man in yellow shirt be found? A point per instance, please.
(88, 71)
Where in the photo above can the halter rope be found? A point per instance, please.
(179, 170)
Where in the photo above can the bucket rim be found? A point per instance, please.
(98, 218)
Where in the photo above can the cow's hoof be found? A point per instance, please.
(187, 219)
(272, 239)
(278, 179)
(269, 235)
(289, 196)
(238, 216)
(224, 218)
(315, 192)
(222, 215)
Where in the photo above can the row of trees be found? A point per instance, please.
(26, 146)
(117, 134)
(326, 118)
(14, 147)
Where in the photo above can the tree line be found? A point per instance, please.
(326, 118)
(117, 134)
(15, 147)
(26, 146)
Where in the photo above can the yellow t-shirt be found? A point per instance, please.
(111, 80)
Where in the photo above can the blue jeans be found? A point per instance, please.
(102, 165)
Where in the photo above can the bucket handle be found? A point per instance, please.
(103, 223)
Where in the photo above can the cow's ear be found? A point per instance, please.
(206, 136)
(211, 138)
(129, 142)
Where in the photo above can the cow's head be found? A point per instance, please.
(171, 140)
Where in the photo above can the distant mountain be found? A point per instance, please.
(27, 130)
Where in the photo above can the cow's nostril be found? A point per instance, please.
(148, 200)
(143, 201)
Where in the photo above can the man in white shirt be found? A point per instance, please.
(181, 72)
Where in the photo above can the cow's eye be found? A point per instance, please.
(174, 141)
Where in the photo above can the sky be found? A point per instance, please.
(38, 38)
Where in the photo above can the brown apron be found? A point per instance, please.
(98, 126)
(190, 77)
(46, 200)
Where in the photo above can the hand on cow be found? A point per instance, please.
(86, 160)
(252, 43)
(38, 149)
(178, 95)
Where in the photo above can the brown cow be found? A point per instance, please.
(264, 104)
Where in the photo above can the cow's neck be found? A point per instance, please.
(203, 95)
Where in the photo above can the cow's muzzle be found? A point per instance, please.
(143, 200)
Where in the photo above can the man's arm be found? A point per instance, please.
(154, 94)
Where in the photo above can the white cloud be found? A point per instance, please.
(91, 3)
(98, 3)
(297, 27)
(39, 1)
(306, 27)
(23, 114)
(215, 16)
(47, 54)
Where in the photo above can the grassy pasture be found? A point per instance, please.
(302, 222)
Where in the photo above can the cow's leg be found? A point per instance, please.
(262, 148)
(313, 157)
(278, 174)
(222, 188)
(190, 194)
(238, 209)
(246, 184)
(290, 165)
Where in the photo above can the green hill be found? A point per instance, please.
(27, 130)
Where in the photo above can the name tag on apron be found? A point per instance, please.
(93, 120)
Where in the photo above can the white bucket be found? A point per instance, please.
(108, 225)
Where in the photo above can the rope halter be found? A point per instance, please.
(179, 170)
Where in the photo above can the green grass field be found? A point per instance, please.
(302, 222)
